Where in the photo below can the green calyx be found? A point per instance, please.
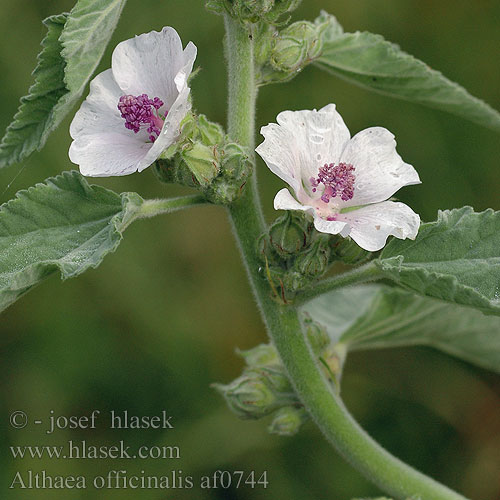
(253, 11)
(264, 388)
(282, 54)
(203, 158)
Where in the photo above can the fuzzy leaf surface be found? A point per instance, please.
(65, 225)
(378, 316)
(456, 259)
(374, 63)
(71, 51)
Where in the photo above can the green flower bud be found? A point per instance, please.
(174, 170)
(249, 396)
(235, 168)
(258, 392)
(253, 11)
(201, 161)
(211, 133)
(290, 234)
(262, 355)
(348, 250)
(287, 421)
(314, 262)
(294, 281)
(316, 334)
(295, 46)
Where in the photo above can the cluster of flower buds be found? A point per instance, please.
(293, 253)
(280, 55)
(254, 11)
(204, 158)
(264, 388)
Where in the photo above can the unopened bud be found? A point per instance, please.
(314, 262)
(262, 355)
(253, 11)
(348, 250)
(289, 234)
(202, 162)
(287, 421)
(295, 46)
(316, 334)
(258, 392)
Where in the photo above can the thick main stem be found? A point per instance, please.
(325, 407)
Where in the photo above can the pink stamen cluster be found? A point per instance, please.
(337, 179)
(138, 110)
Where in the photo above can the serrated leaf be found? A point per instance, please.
(372, 62)
(71, 51)
(39, 112)
(456, 259)
(381, 316)
(87, 32)
(63, 225)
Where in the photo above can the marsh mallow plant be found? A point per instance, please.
(404, 283)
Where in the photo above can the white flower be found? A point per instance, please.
(134, 109)
(343, 182)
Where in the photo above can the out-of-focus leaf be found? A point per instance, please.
(372, 62)
(377, 316)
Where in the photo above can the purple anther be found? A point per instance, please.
(337, 179)
(138, 110)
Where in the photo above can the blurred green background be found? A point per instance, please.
(160, 319)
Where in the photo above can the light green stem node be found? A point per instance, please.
(321, 401)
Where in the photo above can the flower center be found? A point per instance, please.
(337, 179)
(141, 110)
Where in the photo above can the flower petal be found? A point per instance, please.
(99, 112)
(149, 63)
(170, 131)
(301, 142)
(107, 154)
(285, 201)
(373, 224)
(102, 146)
(379, 169)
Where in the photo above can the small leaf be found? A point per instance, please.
(63, 225)
(378, 316)
(41, 110)
(456, 259)
(372, 62)
(71, 51)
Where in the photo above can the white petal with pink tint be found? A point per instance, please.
(380, 171)
(154, 64)
(371, 225)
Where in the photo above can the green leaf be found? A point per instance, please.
(87, 33)
(63, 225)
(456, 259)
(378, 316)
(71, 51)
(41, 110)
(372, 62)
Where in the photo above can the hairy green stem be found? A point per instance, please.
(325, 407)
(150, 208)
(362, 274)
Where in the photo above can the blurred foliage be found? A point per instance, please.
(159, 320)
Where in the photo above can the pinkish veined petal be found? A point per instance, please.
(379, 169)
(301, 142)
(371, 225)
(149, 63)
